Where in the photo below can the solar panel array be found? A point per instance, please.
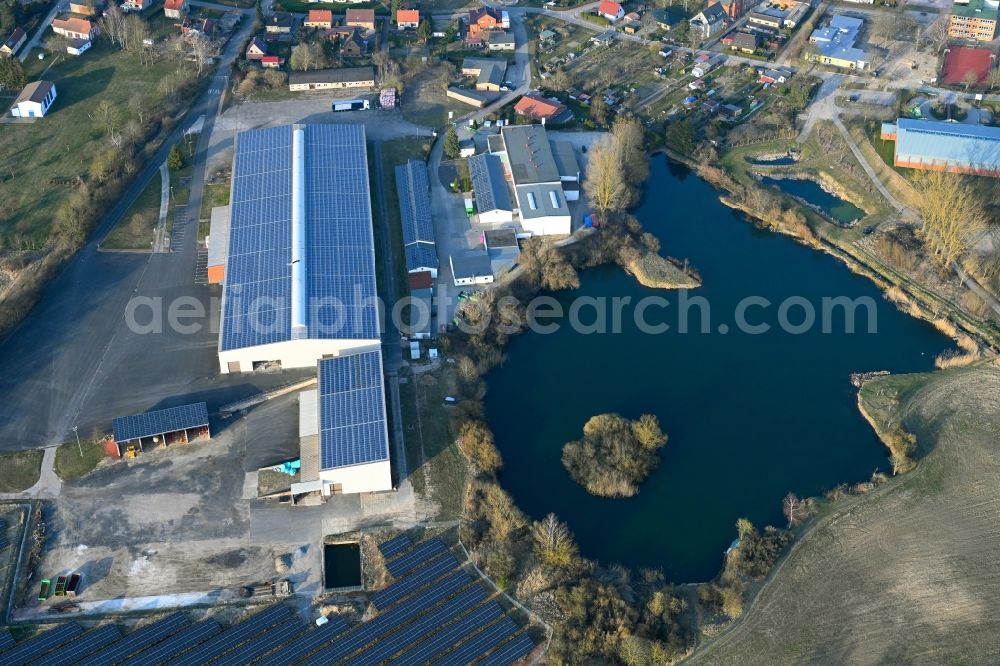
(421, 255)
(423, 576)
(232, 637)
(488, 183)
(352, 422)
(38, 645)
(80, 647)
(160, 421)
(479, 644)
(3, 535)
(138, 640)
(449, 636)
(510, 652)
(416, 557)
(444, 620)
(340, 254)
(386, 647)
(412, 188)
(263, 643)
(306, 644)
(375, 629)
(177, 644)
(394, 546)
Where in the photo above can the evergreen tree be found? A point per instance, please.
(451, 145)
(175, 159)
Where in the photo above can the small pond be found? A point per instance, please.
(341, 565)
(809, 191)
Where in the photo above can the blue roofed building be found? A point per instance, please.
(413, 188)
(344, 439)
(943, 146)
(300, 267)
(493, 202)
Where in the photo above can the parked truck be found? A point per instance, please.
(352, 105)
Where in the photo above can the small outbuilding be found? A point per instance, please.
(174, 425)
(35, 100)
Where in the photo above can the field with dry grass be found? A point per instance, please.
(906, 573)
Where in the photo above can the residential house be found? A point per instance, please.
(319, 18)
(974, 19)
(35, 100)
(272, 62)
(192, 27)
(14, 42)
(354, 45)
(489, 72)
(175, 8)
(709, 22)
(361, 18)
(483, 20)
(735, 8)
(500, 40)
(776, 75)
(73, 27)
(85, 7)
(730, 111)
(775, 15)
(78, 46)
(632, 16)
(610, 10)
(666, 19)
(279, 23)
(136, 5)
(743, 41)
(631, 27)
(547, 36)
(536, 107)
(407, 19)
(343, 78)
(256, 49)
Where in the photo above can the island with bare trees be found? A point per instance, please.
(615, 455)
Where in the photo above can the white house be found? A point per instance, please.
(610, 10)
(77, 46)
(471, 267)
(710, 21)
(35, 100)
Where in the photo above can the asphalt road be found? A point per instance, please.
(75, 361)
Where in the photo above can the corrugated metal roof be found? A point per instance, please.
(958, 144)
(218, 236)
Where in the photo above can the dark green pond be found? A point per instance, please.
(750, 416)
(810, 191)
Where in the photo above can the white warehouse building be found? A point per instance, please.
(343, 436)
(545, 176)
(299, 279)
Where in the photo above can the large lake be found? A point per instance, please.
(750, 416)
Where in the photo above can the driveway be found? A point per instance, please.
(74, 360)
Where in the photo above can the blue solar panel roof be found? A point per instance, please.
(488, 183)
(352, 427)
(340, 255)
(421, 255)
(160, 422)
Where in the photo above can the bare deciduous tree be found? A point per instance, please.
(605, 183)
(952, 214)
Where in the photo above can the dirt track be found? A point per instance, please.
(908, 573)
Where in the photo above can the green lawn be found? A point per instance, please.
(71, 465)
(394, 153)
(214, 195)
(19, 471)
(303, 6)
(40, 161)
(135, 231)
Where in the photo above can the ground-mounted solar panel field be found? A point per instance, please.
(434, 612)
